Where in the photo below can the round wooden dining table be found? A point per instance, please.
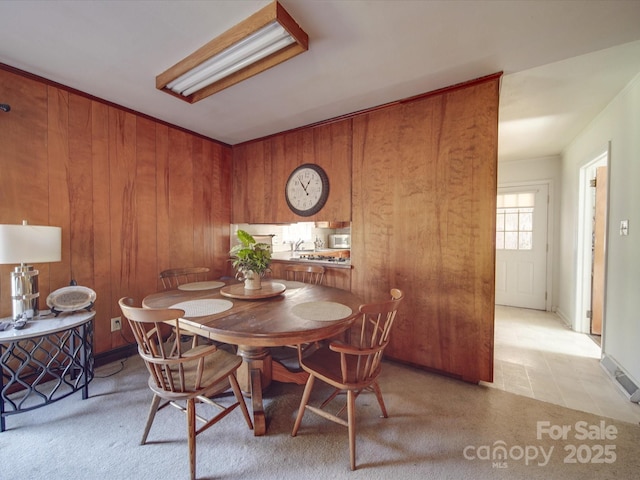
(281, 313)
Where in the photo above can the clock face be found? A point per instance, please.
(307, 189)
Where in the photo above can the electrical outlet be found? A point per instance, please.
(116, 324)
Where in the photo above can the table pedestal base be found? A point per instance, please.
(283, 375)
(256, 373)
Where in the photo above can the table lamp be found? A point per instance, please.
(28, 244)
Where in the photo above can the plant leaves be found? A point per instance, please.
(245, 238)
(249, 255)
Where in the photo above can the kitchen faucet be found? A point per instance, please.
(298, 245)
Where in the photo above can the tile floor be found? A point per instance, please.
(538, 356)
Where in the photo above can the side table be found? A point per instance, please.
(47, 360)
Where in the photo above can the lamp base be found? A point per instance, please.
(24, 292)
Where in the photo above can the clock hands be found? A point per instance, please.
(302, 184)
(304, 187)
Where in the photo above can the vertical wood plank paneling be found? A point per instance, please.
(249, 183)
(222, 211)
(180, 182)
(80, 188)
(280, 164)
(200, 207)
(206, 252)
(105, 176)
(265, 182)
(23, 136)
(124, 234)
(290, 153)
(24, 168)
(260, 185)
(59, 175)
(262, 168)
(330, 147)
(429, 168)
(145, 203)
(240, 175)
(101, 213)
(218, 187)
(163, 227)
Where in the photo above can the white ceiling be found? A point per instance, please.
(563, 61)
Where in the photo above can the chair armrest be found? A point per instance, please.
(341, 347)
(199, 352)
(191, 355)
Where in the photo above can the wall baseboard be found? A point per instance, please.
(115, 355)
(566, 320)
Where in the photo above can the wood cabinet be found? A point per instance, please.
(261, 169)
(333, 225)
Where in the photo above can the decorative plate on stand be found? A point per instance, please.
(71, 299)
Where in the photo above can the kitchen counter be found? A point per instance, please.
(288, 257)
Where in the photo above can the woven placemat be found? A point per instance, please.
(321, 311)
(210, 285)
(291, 284)
(202, 308)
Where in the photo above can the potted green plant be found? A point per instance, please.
(250, 259)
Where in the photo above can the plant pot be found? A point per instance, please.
(252, 281)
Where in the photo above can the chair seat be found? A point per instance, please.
(217, 367)
(325, 364)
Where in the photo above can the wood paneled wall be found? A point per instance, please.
(262, 168)
(133, 196)
(424, 199)
(421, 195)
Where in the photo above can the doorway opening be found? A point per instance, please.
(522, 247)
(591, 247)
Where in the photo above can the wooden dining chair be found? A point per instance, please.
(182, 379)
(352, 367)
(312, 274)
(173, 278)
(305, 273)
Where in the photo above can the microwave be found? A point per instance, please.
(339, 240)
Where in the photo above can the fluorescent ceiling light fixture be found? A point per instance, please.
(265, 39)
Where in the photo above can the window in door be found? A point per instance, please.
(514, 221)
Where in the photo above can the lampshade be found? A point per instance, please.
(27, 244)
(265, 39)
(30, 244)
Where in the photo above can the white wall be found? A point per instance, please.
(619, 124)
(533, 171)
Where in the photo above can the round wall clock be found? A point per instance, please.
(307, 189)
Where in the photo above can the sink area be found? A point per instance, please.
(332, 257)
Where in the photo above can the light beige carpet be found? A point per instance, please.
(438, 428)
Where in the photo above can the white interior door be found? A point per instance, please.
(521, 246)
